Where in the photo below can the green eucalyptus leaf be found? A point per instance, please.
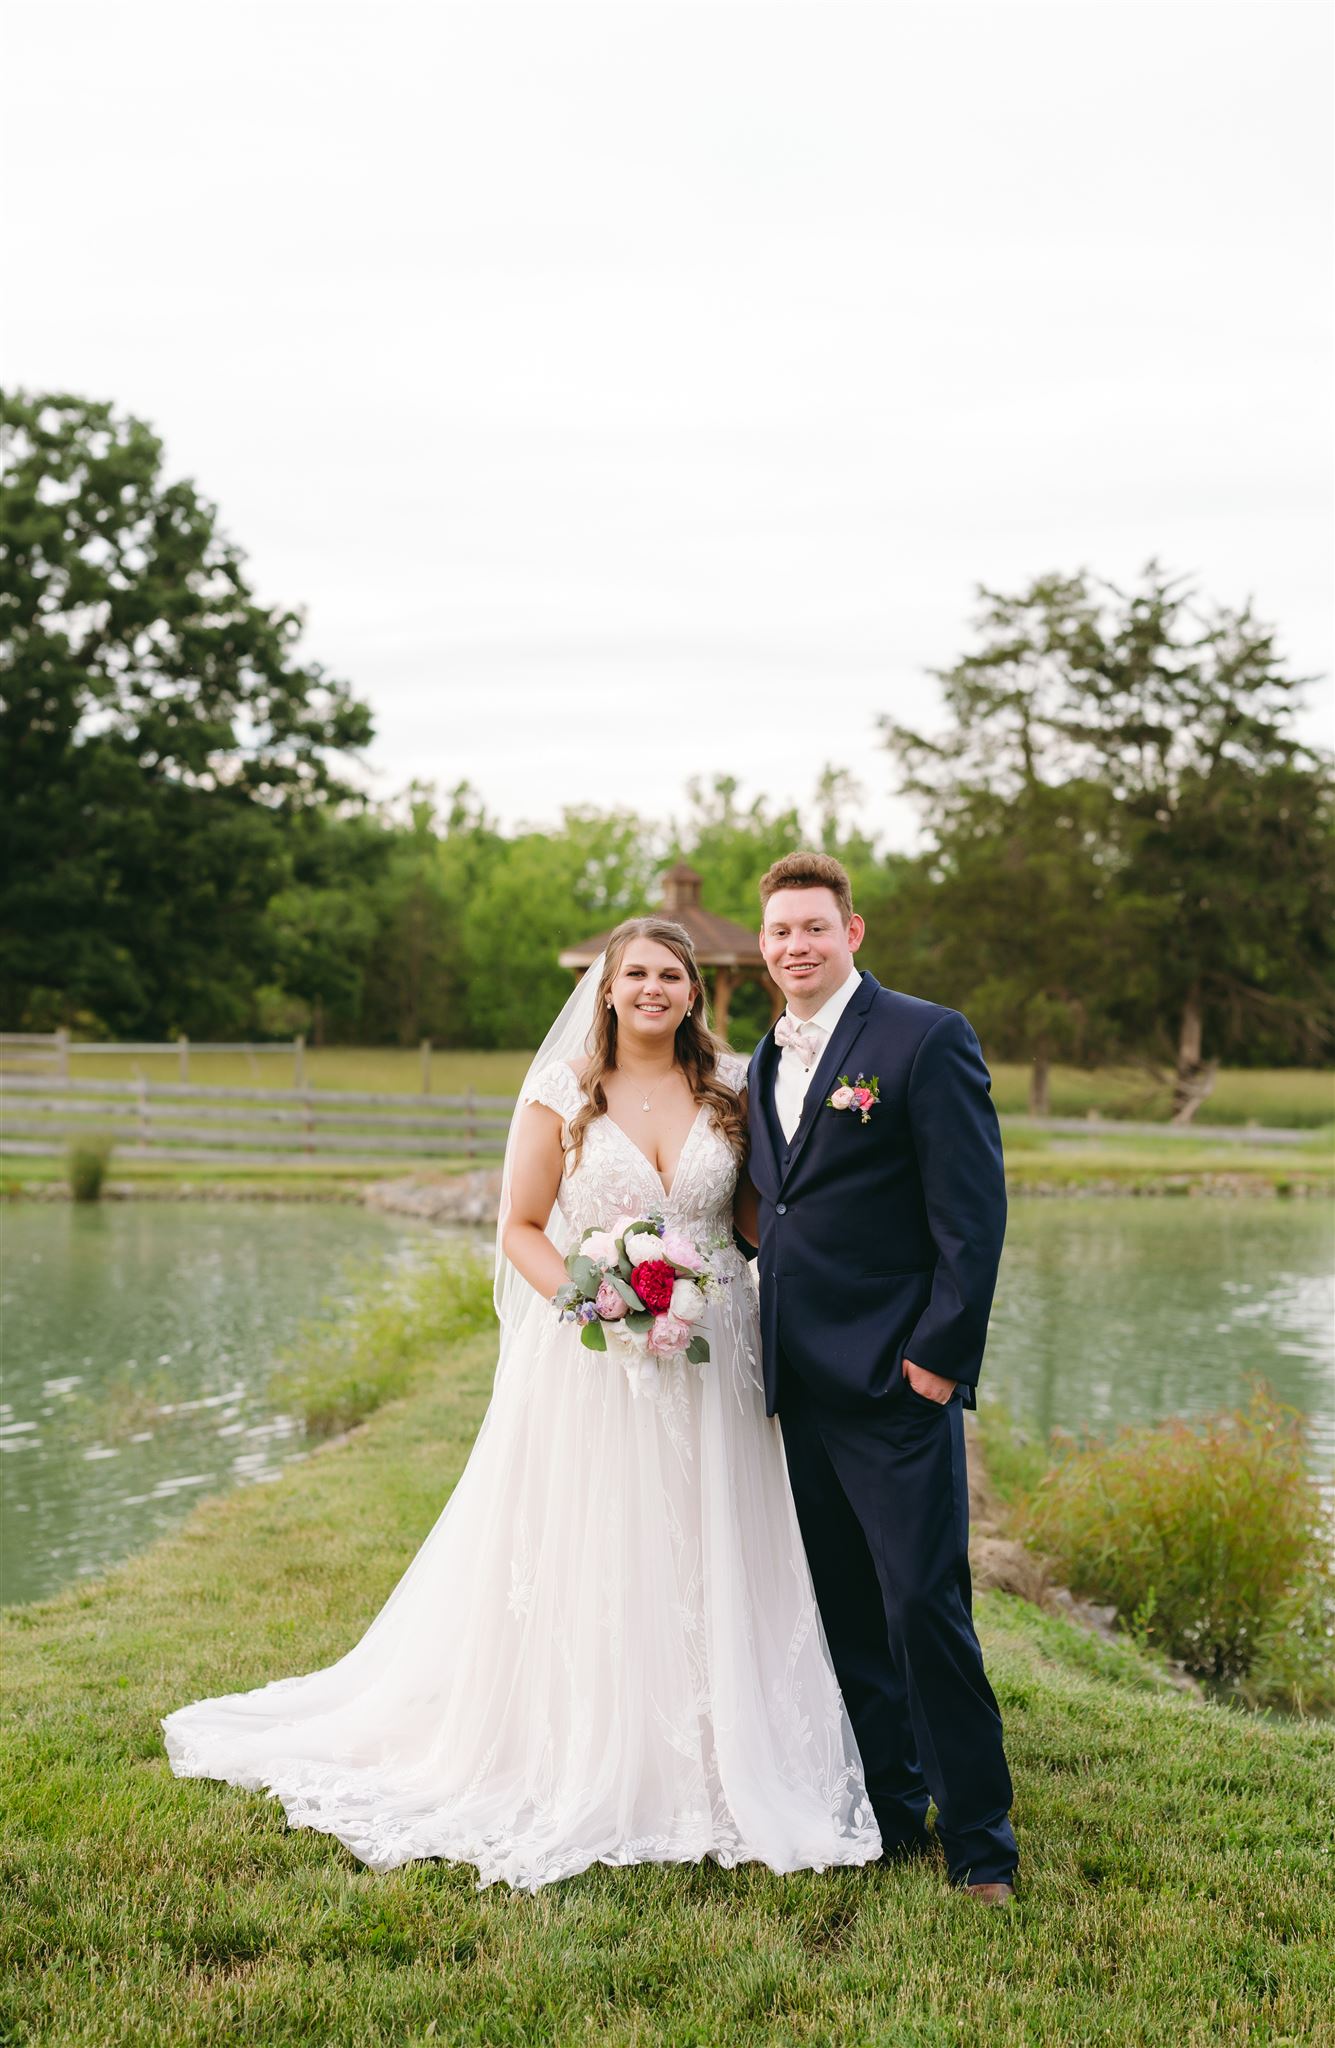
(593, 1337)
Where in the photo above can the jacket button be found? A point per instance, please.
(781, 1209)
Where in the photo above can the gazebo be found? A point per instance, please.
(728, 953)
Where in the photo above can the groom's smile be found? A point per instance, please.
(807, 947)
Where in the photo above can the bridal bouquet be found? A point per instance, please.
(648, 1286)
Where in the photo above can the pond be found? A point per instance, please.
(1117, 1309)
(140, 1339)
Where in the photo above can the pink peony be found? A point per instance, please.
(677, 1247)
(668, 1336)
(843, 1098)
(600, 1246)
(863, 1097)
(609, 1303)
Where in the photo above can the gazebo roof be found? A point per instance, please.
(718, 942)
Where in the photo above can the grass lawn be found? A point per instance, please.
(1177, 1857)
(1100, 1162)
(1288, 1096)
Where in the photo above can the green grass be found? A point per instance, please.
(1177, 1857)
(1104, 1163)
(1290, 1097)
(350, 1361)
(374, 1070)
(1212, 1538)
(329, 1179)
(1101, 1163)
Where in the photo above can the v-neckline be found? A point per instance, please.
(667, 1191)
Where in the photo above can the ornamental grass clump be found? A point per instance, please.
(1212, 1541)
(86, 1163)
(370, 1347)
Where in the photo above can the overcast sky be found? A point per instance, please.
(639, 391)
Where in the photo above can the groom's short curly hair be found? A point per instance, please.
(806, 870)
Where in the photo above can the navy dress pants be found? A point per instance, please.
(883, 1502)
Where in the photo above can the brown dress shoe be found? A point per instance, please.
(991, 1894)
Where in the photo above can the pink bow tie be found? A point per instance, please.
(800, 1038)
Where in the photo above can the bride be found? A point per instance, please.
(607, 1650)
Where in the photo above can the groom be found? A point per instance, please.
(881, 1219)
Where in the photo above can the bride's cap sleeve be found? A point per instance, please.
(732, 1071)
(556, 1088)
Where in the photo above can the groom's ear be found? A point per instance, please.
(857, 931)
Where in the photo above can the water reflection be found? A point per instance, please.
(1122, 1310)
(139, 1342)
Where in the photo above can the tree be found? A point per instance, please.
(1218, 834)
(1018, 916)
(543, 891)
(157, 735)
(731, 846)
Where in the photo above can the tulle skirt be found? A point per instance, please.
(606, 1650)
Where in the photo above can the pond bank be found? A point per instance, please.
(1176, 1867)
(472, 1197)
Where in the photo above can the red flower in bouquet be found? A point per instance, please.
(654, 1280)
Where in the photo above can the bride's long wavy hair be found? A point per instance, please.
(696, 1048)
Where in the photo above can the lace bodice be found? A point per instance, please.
(615, 1178)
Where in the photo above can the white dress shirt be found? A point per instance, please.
(791, 1078)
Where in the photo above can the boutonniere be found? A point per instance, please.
(860, 1094)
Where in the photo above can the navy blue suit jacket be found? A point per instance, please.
(881, 1240)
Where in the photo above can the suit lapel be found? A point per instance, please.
(842, 1040)
(761, 1107)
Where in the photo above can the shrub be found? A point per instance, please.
(1211, 1539)
(86, 1163)
(367, 1351)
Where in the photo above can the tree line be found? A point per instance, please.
(1126, 850)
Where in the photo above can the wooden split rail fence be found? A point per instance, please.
(249, 1126)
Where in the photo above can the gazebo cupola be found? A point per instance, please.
(728, 953)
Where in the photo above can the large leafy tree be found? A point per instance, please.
(157, 736)
(1212, 914)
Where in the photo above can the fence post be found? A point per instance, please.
(472, 1128)
(63, 1054)
(299, 1059)
(426, 1066)
(183, 1054)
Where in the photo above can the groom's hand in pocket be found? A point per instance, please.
(929, 1384)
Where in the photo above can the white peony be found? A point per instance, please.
(642, 1245)
(688, 1304)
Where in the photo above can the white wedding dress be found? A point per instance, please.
(607, 1650)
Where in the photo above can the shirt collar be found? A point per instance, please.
(829, 1013)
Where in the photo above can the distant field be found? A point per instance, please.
(372, 1070)
(1285, 1096)
(1297, 1097)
